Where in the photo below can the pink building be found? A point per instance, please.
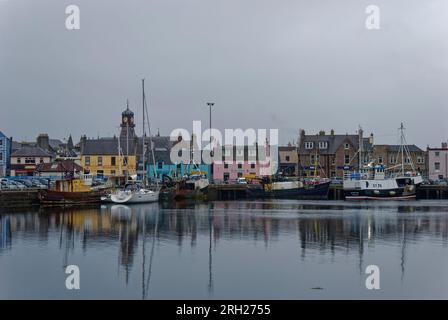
(438, 162)
(238, 161)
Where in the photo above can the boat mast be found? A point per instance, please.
(360, 132)
(143, 135)
(401, 148)
(127, 143)
(150, 141)
(119, 157)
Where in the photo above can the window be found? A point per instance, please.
(333, 161)
(347, 159)
(226, 176)
(239, 153)
(227, 152)
(30, 160)
(125, 161)
(437, 153)
(113, 161)
(100, 173)
(252, 152)
(314, 158)
(159, 165)
(437, 166)
(392, 159)
(380, 160)
(41, 160)
(420, 160)
(309, 145)
(252, 165)
(240, 174)
(1, 142)
(323, 145)
(287, 158)
(19, 160)
(100, 161)
(346, 146)
(112, 172)
(407, 160)
(311, 174)
(87, 161)
(333, 174)
(226, 165)
(240, 166)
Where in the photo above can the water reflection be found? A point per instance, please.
(318, 227)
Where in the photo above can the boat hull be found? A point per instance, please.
(60, 198)
(135, 197)
(308, 192)
(385, 194)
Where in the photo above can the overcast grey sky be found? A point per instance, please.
(285, 64)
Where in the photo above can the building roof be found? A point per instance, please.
(287, 148)
(59, 166)
(396, 148)
(31, 151)
(334, 142)
(55, 144)
(102, 146)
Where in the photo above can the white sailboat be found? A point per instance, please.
(141, 194)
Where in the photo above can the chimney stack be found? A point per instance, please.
(43, 141)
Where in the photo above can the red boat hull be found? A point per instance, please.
(59, 198)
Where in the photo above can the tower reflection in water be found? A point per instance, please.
(318, 227)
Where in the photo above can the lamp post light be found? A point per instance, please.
(210, 105)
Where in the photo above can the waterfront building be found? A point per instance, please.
(389, 155)
(112, 156)
(438, 162)
(241, 161)
(58, 169)
(329, 155)
(288, 160)
(5, 154)
(25, 160)
(163, 166)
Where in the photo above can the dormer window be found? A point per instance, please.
(309, 145)
(323, 145)
(347, 146)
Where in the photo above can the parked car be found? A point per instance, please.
(27, 183)
(241, 181)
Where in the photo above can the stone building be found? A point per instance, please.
(329, 155)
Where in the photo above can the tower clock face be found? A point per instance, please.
(125, 119)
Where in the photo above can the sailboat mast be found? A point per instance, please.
(143, 134)
(360, 132)
(401, 148)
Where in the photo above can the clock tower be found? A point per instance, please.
(127, 124)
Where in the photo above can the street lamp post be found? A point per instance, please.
(210, 105)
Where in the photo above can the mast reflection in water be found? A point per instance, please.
(255, 249)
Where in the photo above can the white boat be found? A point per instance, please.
(141, 195)
(376, 182)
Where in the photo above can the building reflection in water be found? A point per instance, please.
(318, 227)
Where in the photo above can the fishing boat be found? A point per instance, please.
(139, 194)
(377, 182)
(290, 188)
(69, 192)
(194, 186)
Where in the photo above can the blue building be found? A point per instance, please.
(5, 154)
(163, 166)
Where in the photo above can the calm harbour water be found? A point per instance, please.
(281, 249)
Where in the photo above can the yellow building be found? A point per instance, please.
(112, 156)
